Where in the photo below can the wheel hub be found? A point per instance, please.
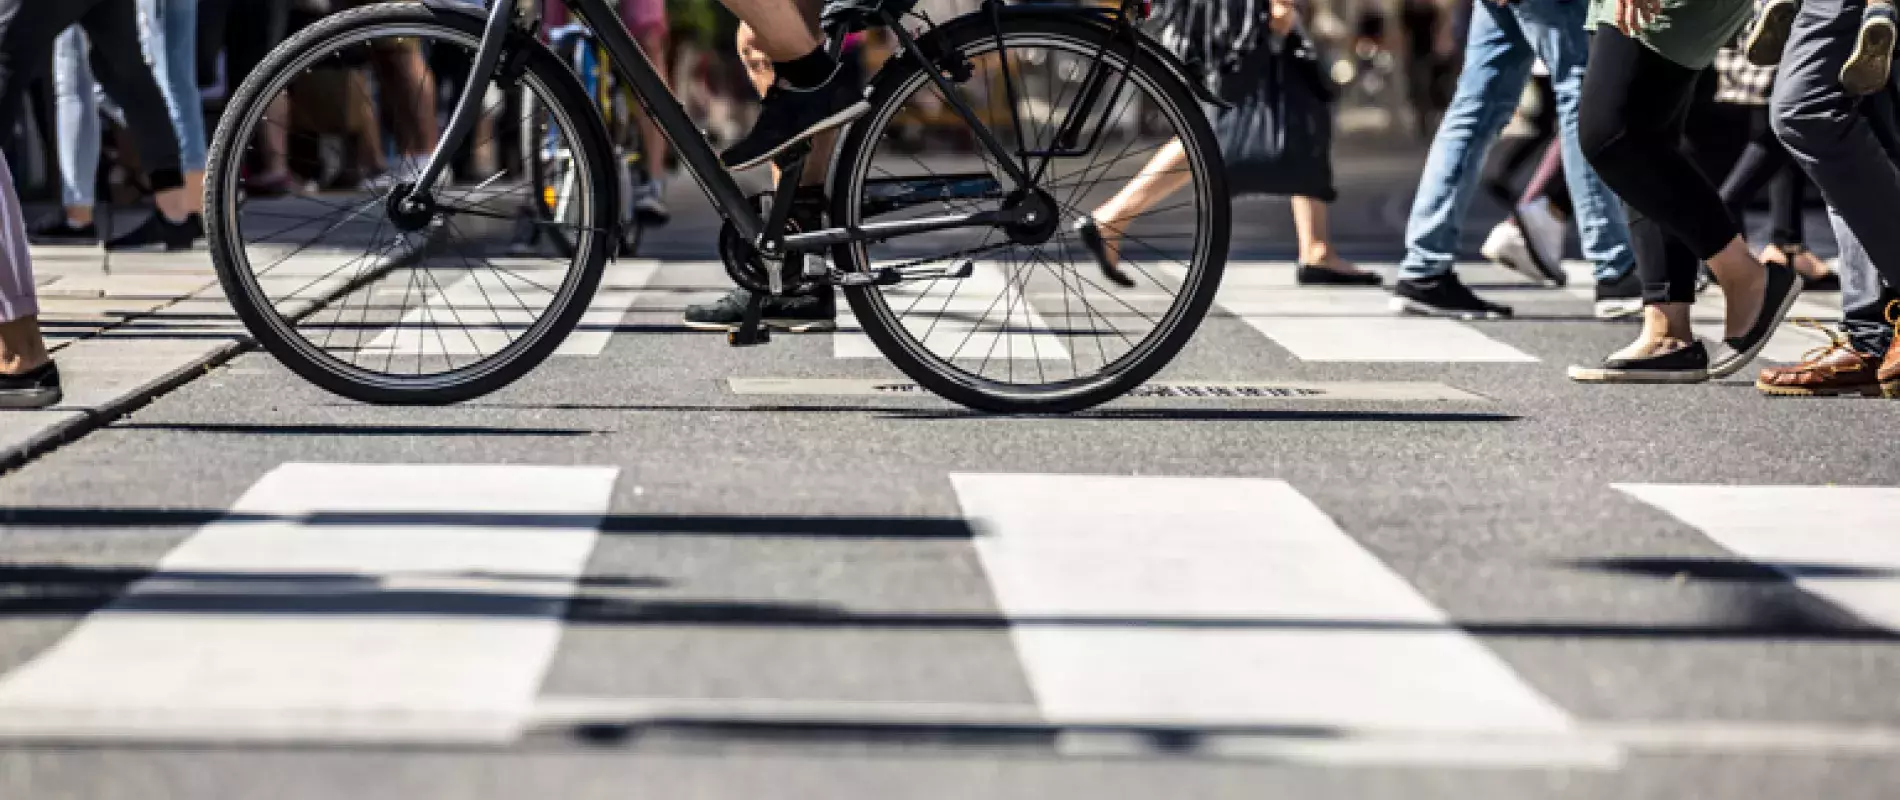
(410, 214)
(1038, 222)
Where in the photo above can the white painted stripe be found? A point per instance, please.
(1849, 556)
(1224, 601)
(483, 311)
(620, 286)
(980, 317)
(477, 314)
(1350, 324)
(335, 602)
(1385, 339)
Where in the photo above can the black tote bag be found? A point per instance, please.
(1278, 137)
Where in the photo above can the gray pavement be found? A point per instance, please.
(1533, 589)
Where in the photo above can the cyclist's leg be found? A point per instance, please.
(758, 68)
(808, 95)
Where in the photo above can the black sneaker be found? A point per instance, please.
(58, 230)
(1619, 298)
(788, 116)
(1768, 33)
(1784, 286)
(812, 313)
(1865, 72)
(1443, 296)
(156, 232)
(36, 389)
(1686, 364)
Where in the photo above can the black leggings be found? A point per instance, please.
(27, 30)
(1634, 108)
(1765, 162)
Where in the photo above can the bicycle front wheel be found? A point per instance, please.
(389, 307)
(1026, 319)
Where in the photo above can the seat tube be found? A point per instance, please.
(462, 119)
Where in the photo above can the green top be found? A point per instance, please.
(1687, 32)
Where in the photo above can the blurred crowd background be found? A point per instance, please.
(1395, 62)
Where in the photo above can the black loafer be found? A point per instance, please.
(1312, 275)
(1784, 286)
(1092, 239)
(1687, 364)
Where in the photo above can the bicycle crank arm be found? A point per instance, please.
(891, 276)
(872, 232)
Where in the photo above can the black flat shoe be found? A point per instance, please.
(1312, 275)
(1092, 239)
(1686, 364)
(1830, 282)
(1784, 286)
(36, 389)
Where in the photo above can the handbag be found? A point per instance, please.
(1277, 139)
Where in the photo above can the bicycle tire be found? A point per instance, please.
(936, 374)
(257, 310)
(544, 199)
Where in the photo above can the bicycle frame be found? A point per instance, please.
(507, 18)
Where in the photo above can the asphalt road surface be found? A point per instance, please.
(1342, 555)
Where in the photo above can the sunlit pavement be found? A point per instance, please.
(1328, 553)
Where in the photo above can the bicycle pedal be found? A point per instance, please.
(739, 338)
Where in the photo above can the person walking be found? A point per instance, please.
(169, 32)
(28, 376)
(1765, 163)
(1821, 120)
(1645, 61)
(1503, 40)
(28, 29)
(1285, 42)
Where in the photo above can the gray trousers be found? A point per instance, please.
(1850, 147)
(27, 31)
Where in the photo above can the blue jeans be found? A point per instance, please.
(1499, 50)
(169, 31)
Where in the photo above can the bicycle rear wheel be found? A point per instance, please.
(382, 306)
(1024, 320)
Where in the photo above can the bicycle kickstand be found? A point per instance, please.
(791, 164)
(751, 331)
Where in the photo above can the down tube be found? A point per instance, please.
(633, 66)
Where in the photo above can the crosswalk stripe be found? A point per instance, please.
(968, 318)
(1850, 556)
(1349, 324)
(1229, 601)
(620, 286)
(484, 311)
(334, 602)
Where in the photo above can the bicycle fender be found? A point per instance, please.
(1103, 18)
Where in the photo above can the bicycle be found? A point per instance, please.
(552, 182)
(928, 249)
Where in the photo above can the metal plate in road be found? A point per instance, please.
(1336, 391)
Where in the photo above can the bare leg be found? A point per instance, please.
(410, 88)
(276, 136)
(1316, 238)
(21, 347)
(655, 43)
(80, 215)
(1665, 329)
(1743, 281)
(782, 30)
(758, 68)
(1163, 175)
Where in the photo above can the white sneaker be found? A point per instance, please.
(1546, 238)
(405, 172)
(649, 203)
(1506, 246)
